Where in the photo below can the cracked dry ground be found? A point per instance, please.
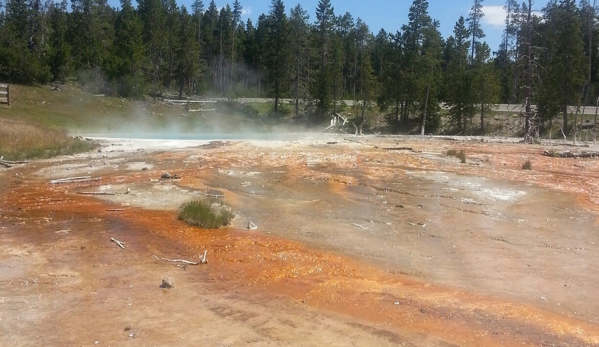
(361, 241)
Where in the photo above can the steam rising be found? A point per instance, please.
(145, 121)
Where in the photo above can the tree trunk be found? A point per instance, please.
(528, 70)
(596, 107)
(565, 118)
(428, 89)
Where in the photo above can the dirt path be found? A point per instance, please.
(360, 242)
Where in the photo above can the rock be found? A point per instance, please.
(166, 175)
(252, 226)
(168, 283)
(144, 169)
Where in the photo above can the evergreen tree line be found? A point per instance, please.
(547, 58)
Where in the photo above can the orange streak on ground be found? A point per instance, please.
(260, 263)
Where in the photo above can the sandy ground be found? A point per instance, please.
(362, 241)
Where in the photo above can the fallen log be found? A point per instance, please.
(6, 165)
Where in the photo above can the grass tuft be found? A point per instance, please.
(460, 155)
(207, 214)
(527, 165)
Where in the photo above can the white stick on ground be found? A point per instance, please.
(177, 260)
(204, 260)
(75, 180)
(117, 242)
(359, 226)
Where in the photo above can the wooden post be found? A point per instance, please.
(5, 93)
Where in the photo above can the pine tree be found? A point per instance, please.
(188, 66)
(365, 74)
(59, 57)
(325, 20)
(413, 70)
(277, 51)
(153, 17)
(431, 70)
(565, 66)
(474, 26)
(458, 82)
(125, 64)
(299, 30)
(486, 88)
(235, 22)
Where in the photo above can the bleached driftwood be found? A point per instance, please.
(117, 242)
(203, 260)
(10, 163)
(75, 180)
(95, 193)
(359, 226)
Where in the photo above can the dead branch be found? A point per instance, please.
(115, 209)
(179, 260)
(117, 242)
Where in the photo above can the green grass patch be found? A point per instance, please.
(206, 213)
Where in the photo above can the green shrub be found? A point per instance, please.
(208, 214)
(527, 165)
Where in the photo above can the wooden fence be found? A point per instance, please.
(4, 94)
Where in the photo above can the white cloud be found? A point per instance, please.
(494, 16)
(246, 11)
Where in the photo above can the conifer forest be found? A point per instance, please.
(315, 57)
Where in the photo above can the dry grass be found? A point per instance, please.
(27, 140)
(460, 155)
